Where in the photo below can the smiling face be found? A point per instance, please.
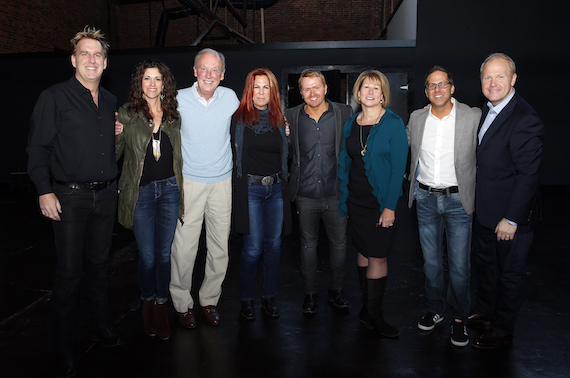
(209, 72)
(152, 83)
(89, 62)
(497, 80)
(313, 91)
(370, 93)
(261, 92)
(439, 97)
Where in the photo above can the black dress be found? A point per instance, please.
(363, 207)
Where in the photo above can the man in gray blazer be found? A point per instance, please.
(443, 139)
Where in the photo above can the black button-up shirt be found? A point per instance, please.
(71, 139)
(317, 178)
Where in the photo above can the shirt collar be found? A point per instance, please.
(200, 98)
(79, 89)
(503, 103)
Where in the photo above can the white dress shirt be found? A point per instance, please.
(436, 159)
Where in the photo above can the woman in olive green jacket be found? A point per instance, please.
(150, 187)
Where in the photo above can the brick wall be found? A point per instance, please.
(40, 26)
(33, 26)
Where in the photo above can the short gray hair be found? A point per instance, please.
(210, 51)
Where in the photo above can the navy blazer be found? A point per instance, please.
(508, 167)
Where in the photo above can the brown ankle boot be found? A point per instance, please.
(161, 318)
(148, 318)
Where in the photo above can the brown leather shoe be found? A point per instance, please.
(477, 320)
(492, 340)
(148, 318)
(211, 314)
(161, 319)
(187, 319)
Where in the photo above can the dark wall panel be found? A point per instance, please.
(455, 34)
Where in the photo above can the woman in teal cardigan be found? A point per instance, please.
(371, 169)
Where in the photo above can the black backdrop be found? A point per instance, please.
(451, 33)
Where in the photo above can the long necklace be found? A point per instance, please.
(363, 146)
(156, 145)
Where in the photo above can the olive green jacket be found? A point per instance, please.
(133, 141)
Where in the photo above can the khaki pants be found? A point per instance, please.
(212, 203)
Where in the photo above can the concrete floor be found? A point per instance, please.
(331, 343)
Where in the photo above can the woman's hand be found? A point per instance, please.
(387, 218)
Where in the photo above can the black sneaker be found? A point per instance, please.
(459, 336)
(429, 321)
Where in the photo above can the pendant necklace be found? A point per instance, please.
(364, 145)
(156, 145)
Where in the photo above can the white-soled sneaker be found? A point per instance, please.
(459, 336)
(429, 321)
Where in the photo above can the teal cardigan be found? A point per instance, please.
(384, 161)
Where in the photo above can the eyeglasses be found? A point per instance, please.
(441, 85)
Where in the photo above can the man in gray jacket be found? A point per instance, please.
(315, 142)
(443, 140)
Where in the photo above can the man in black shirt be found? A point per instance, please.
(71, 151)
(315, 142)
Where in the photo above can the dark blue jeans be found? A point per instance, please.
(83, 240)
(501, 273)
(310, 211)
(154, 224)
(436, 213)
(265, 227)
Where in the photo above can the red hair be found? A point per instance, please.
(247, 112)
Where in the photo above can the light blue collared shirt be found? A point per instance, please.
(493, 113)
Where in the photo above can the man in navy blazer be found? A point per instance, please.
(443, 140)
(506, 200)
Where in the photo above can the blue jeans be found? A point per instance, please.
(156, 213)
(436, 213)
(501, 274)
(310, 211)
(265, 226)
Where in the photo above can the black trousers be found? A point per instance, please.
(83, 240)
(501, 272)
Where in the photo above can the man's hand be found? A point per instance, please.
(50, 206)
(287, 129)
(118, 126)
(505, 230)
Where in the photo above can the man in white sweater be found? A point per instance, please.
(206, 110)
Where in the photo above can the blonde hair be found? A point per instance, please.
(377, 76)
(89, 32)
(311, 73)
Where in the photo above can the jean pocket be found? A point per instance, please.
(171, 181)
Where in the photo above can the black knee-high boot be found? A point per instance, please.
(376, 288)
(363, 315)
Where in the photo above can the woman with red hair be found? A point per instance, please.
(260, 176)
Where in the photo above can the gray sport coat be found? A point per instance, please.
(466, 124)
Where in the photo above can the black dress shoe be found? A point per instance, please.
(106, 337)
(270, 307)
(310, 304)
(336, 297)
(492, 340)
(477, 320)
(247, 310)
(65, 365)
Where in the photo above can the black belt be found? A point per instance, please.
(451, 189)
(263, 180)
(95, 185)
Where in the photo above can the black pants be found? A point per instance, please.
(501, 270)
(83, 240)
